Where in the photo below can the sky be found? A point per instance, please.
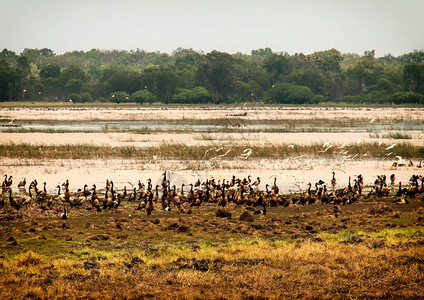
(294, 26)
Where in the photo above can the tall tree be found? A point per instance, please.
(277, 66)
(217, 75)
(413, 76)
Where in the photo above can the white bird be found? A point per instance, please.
(214, 148)
(390, 147)
(326, 149)
(224, 153)
(246, 153)
(342, 146)
(208, 151)
(290, 146)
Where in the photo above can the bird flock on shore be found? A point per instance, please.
(167, 197)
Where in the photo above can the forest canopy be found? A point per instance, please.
(191, 77)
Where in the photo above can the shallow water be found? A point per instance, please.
(402, 126)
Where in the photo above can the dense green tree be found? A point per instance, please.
(121, 79)
(72, 80)
(186, 58)
(226, 78)
(73, 72)
(413, 76)
(8, 56)
(10, 82)
(217, 75)
(51, 89)
(277, 66)
(73, 86)
(312, 79)
(38, 56)
(165, 83)
(50, 71)
(24, 64)
(262, 52)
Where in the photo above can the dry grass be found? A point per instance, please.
(258, 269)
(182, 151)
(125, 254)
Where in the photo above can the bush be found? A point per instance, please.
(86, 97)
(119, 97)
(143, 96)
(76, 98)
(375, 97)
(288, 93)
(407, 97)
(193, 96)
(81, 98)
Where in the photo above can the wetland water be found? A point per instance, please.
(210, 126)
(238, 125)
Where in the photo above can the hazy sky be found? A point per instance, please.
(387, 26)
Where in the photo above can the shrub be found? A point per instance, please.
(143, 96)
(288, 93)
(81, 98)
(195, 95)
(407, 97)
(119, 97)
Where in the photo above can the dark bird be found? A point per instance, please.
(64, 215)
(22, 183)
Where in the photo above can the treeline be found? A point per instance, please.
(188, 76)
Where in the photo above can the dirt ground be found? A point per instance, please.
(371, 249)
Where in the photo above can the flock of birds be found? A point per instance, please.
(165, 196)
